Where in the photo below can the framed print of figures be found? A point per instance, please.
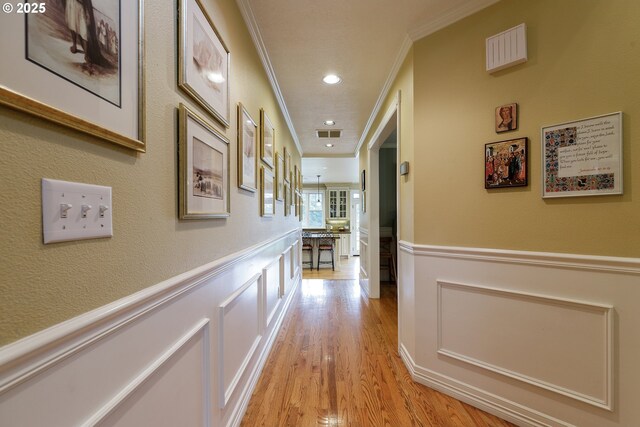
(506, 118)
(267, 199)
(583, 158)
(267, 139)
(247, 146)
(80, 65)
(505, 163)
(203, 156)
(279, 177)
(203, 60)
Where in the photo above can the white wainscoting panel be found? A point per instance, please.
(567, 347)
(179, 375)
(285, 271)
(164, 356)
(272, 295)
(239, 335)
(541, 339)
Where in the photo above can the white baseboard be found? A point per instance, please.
(490, 403)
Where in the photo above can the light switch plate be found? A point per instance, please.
(89, 216)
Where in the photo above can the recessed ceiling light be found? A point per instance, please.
(331, 79)
(329, 122)
(329, 145)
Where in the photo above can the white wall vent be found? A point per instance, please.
(328, 133)
(507, 48)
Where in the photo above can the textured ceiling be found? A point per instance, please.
(360, 40)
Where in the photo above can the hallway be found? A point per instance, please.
(335, 363)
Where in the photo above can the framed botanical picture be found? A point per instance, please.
(267, 139)
(267, 199)
(506, 163)
(294, 179)
(287, 164)
(279, 177)
(506, 118)
(85, 74)
(363, 184)
(583, 158)
(203, 155)
(203, 59)
(247, 149)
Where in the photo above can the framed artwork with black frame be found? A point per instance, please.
(506, 163)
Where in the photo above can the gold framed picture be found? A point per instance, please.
(267, 139)
(204, 60)
(267, 199)
(94, 85)
(247, 148)
(279, 177)
(203, 171)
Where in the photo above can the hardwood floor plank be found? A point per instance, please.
(335, 363)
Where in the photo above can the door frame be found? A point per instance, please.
(390, 122)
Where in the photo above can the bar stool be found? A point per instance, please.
(386, 254)
(307, 246)
(326, 244)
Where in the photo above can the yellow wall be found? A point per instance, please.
(403, 84)
(43, 285)
(584, 60)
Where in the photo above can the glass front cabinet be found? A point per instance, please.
(338, 204)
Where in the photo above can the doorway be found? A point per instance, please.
(390, 124)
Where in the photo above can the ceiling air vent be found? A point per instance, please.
(328, 133)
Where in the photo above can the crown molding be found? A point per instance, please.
(449, 17)
(395, 69)
(252, 26)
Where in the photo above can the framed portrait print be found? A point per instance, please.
(203, 59)
(506, 118)
(583, 158)
(279, 177)
(267, 199)
(267, 139)
(87, 75)
(203, 156)
(506, 163)
(247, 146)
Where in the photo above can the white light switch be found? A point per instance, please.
(68, 211)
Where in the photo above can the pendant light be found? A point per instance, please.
(318, 188)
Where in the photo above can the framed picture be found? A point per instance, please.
(363, 180)
(247, 148)
(57, 74)
(267, 199)
(287, 199)
(583, 158)
(294, 179)
(279, 177)
(287, 164)
(267, 139)
(203, 58)
(203, 157)
(364, 202)
(505, 163)
(506, 118)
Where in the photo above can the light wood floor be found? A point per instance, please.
(334, 363)
(349, 269)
